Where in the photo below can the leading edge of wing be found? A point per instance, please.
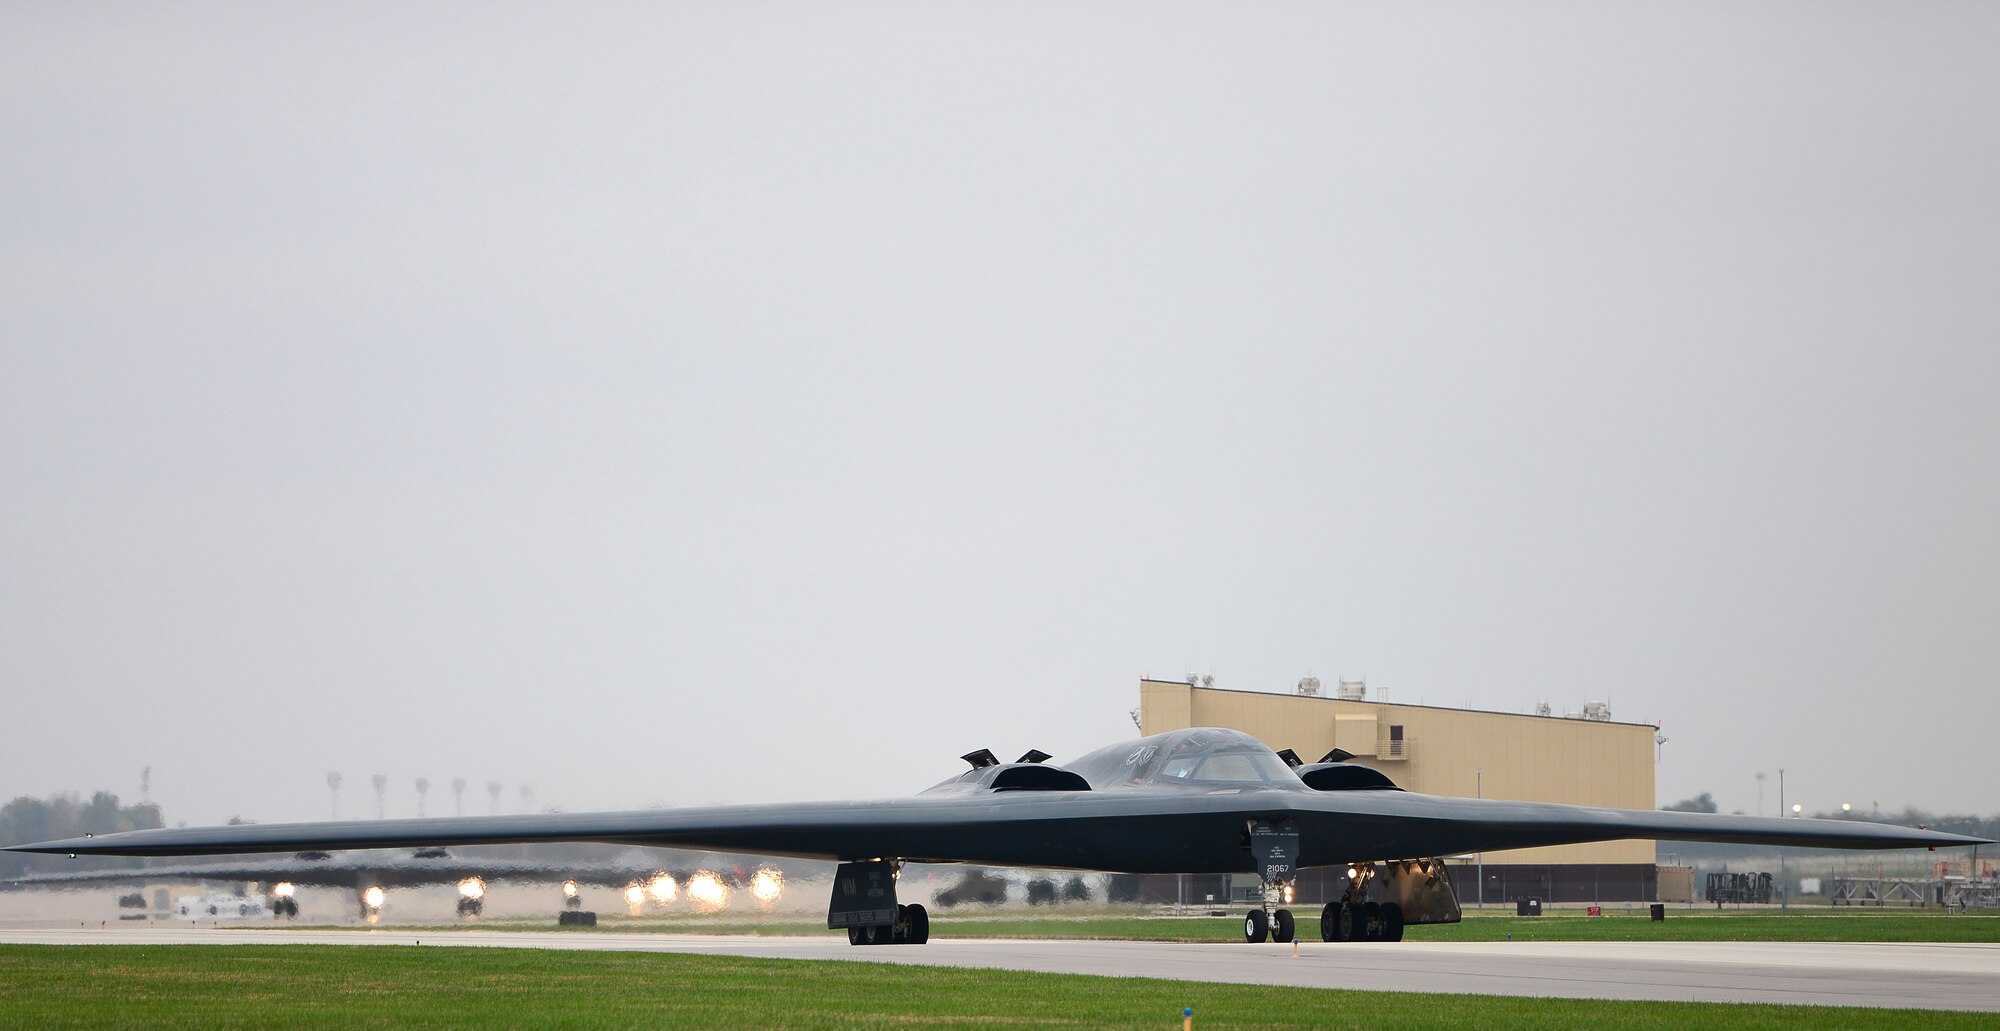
(815, 830)
(1470, 825)
(990, 828)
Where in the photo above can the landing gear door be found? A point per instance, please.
(1274, 845)
(864, 895)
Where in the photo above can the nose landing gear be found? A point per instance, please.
(1275, 844)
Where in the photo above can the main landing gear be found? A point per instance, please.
(1361, 922)
(864, 902)
(912, 927)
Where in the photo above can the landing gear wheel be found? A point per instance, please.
(1282, 926)
(1337, 922)
(1256, 927)
(919, 925)
(1371, 922)
(1392, 922)
(872, 935)
(854, 936)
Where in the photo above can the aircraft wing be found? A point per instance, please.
(1127, 830)
(1405, 824)
(348, 870)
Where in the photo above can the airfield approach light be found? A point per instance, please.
(569, 889)
(706, 890)
(284, 889)
(374, 896)
(662, 888)
(766, 886)
(635, 894)
(472, 888)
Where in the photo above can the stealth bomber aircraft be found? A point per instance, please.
(1197, 801)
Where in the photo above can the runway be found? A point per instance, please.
(1953, 977)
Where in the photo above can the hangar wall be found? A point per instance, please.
(1441, 751)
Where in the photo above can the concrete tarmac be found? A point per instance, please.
(1954, 977)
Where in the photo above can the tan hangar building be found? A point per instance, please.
(1581, 759)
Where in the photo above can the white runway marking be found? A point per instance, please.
(1957, 977)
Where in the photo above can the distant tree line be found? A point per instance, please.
(65, 816)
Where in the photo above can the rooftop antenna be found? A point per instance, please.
(423, 788)
(458, 795)
(333, 788)
(381, 795)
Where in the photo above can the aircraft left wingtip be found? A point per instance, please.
(72, 846)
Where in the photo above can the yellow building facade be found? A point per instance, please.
(1440, 751)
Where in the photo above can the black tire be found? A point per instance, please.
(1328, 916)
(854, 936)
(1392, 922)
(920, 924)
(1256, 927)
(1346, 922)
(872, 935)
(1282, 926)
(1369, 927)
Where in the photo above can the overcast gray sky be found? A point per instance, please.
(688, 403)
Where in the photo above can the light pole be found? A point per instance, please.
(1784, 887)
(1479, 791)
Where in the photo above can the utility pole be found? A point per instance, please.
(333, 789)
(381, 795)
(423, 788)
(458, 795)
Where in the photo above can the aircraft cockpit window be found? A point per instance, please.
(1226, 768)
(1234, 769)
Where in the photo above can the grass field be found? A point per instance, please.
(1563, 925)
(220, 988)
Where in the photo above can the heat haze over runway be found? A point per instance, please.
(1917, 976)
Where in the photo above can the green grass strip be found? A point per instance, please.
(220, 988)
(1823, 926)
